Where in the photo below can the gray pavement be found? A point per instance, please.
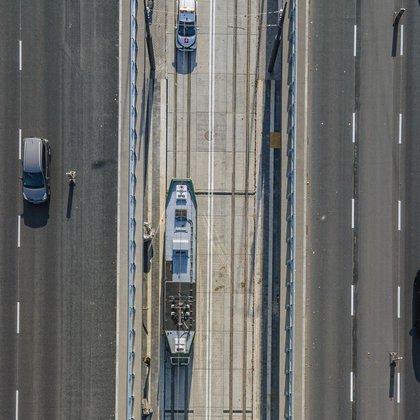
(64, 273)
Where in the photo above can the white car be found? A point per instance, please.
(186, 29)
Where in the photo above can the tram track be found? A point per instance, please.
(246, 245)
(188, 117)
(175, 124)
(175, 95)
(245, 193)
(184, 171)
(233, 205)
(177, 388)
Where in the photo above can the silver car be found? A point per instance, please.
(36, 170)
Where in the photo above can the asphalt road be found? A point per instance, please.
(330, 252)
(410, 258)
(61, 364)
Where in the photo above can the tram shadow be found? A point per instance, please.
(415, 331)
(185, 61)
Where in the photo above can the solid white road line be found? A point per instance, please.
(398, 388)
(400, 129)
(18, 231)
(399, 303)
(355, 41)
(18, 318)
(352, 213)
(20, 55)
(399, 214)
(354, 128)
(402, 41)
(17, 405)
(351, 386)
(352, 301)
(20, 143)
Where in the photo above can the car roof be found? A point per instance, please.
(187, 5)
(32, 150)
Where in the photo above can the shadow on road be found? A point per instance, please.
(415, 330)
(69, 201)
(36, 215)
(394, 40)
(185, 61)
(391, 380)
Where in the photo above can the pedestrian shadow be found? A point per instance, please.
(391, 379)
(394, 40)
(146, 407)
(70, 201)
(146, 384)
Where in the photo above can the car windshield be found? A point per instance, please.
(33, 180)
(186, 29)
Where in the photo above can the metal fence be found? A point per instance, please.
(291, 197)
(131, 211)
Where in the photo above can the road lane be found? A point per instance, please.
(410, 90)
(10, 195)
(328, 327)
(377, 215)
(67, 278)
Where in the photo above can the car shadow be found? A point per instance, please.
(415, 331)
(185, 61)
(36, 215)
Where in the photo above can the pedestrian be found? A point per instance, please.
(72, 177)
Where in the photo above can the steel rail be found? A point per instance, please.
(233, 206)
